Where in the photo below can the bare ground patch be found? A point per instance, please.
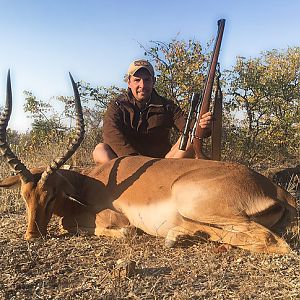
(85, 267)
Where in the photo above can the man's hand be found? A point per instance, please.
(205, 121)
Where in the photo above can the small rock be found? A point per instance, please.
(125, 268)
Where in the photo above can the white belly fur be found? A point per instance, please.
(155, 218)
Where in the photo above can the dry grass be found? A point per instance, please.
(85, 267)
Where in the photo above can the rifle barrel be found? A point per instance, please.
(198, 132)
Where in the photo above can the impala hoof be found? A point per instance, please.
(128, 231)
(169, 243)
(33, 235)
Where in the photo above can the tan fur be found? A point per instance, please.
(164, 197)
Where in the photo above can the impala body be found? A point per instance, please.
(226, 202)
(164, 197)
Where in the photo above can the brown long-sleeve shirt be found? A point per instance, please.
(130, 129)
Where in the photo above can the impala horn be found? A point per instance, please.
(59, 161)
(15, 164)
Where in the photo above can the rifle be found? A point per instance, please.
(216, 135)
(198, 132)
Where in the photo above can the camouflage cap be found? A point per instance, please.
(139, 64)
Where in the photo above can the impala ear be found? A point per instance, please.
(11, 182)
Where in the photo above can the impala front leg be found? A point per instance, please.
(124, 232)
(113, 224)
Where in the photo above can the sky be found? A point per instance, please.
(95, 40)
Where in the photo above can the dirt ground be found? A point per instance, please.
(88, 267)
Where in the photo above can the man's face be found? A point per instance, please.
(141, 84)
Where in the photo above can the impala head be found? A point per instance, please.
(42, 190)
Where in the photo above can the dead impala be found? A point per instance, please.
(170, 198)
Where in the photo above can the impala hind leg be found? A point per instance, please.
(277, 217)
(250, 236)
(183, 231)
(243, 234)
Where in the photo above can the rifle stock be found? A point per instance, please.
(198, 132)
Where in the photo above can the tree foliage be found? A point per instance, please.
(181, 68)
(95, 101)
(264, 94)
(52, 128)
(48, 125)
